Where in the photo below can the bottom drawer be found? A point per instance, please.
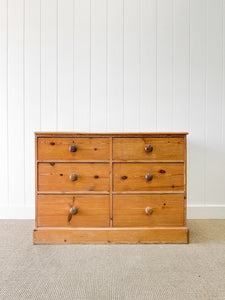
(89, 210)
(148, 210)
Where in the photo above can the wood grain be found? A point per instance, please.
(134, 148)
(56, 177)
(163, 235)
(87, 148)
(131, 176)
(93, 210)
(129, 210)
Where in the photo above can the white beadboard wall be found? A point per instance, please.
(113, 66)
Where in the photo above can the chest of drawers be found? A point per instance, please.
(110, 188)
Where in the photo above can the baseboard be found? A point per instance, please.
(17, 212)
(193, 212)
(206, 212)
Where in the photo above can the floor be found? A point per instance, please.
(194, 271)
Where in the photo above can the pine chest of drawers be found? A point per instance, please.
(110, 188)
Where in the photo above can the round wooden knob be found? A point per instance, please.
(73, 148)
(148, 210)
(148, 177)
(149, 148)
(73, 210)
(73, 177)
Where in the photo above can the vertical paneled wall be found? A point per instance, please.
(113, 66)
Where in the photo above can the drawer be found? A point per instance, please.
(90, 210)
(148, 148)
(73, 148)
(148, 210)
(73, 177)
(148, 176)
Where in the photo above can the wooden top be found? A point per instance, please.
(111, 134)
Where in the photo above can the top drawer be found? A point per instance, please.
(148, 148)
(73, 148)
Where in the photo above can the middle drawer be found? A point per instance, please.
(148, 176)
(65, 177)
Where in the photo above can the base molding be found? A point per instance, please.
(17, 212)
(206, 212)
(124, 235)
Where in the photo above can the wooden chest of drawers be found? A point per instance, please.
(110, 188)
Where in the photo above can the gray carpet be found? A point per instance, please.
(194, 271)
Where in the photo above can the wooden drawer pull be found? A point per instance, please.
(148, 177)
(73, 177)
(149, 148)
(148, 210)
(73, 211)
(73, 148)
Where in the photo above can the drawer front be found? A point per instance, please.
(73, 148)
(148, 176)
(66, 177)
(148, 210)
(89, 210)
(148, 148)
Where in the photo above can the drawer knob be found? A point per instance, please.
(73, 148)
(148, 177)
(73, 177)
(73, 210)
(148, 210)
(149, 148)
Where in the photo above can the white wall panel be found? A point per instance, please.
(98, 66)
(49, 65)
(148, 71)
(165, 64)
(181, 65)
(16, 126)
(197, 150)
(223, 82)
(114, 65)
(214, 152)
(3, 101)
(82, 54)
(65, 65)
(115, 77)
(131, 65)
(32, 95)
